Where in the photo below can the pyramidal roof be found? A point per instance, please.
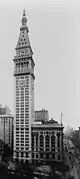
(23, 40)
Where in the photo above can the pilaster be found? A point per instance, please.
(56, 147)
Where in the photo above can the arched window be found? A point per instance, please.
(58, 139)
(36, 142)
(32, 142)
(52, 142)
(62, 140)
(41, 142)
(47, 142)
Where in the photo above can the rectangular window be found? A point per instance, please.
(22, 77)
(17, 109)
(17, 105)
(17, 97)
(17, 93)
(26, 136)
(26, 129)
(22, 138)
(17, 135)
(26, 122)
(17, 138)
(17, 101)
(27, 117)
(26, 105)
(17, 144)
(22, 135)
(17, 78)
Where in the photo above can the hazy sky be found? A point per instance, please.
(54, 32)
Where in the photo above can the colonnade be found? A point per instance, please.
(46, 144)
(55, 138)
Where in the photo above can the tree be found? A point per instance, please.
(75, 140)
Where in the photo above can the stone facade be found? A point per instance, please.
(47, 142)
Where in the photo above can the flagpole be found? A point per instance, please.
(61, 117)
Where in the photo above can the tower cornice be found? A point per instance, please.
(24, 73)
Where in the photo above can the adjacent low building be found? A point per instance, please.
(4, 110)
(1, 149)
(41, 115)
(6, 129)
(47, 142)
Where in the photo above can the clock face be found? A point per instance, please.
(22, 83)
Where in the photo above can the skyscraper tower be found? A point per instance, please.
(24, 94)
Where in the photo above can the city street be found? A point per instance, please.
(74, 165)
(75, 173)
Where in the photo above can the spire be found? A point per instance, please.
(24, 19)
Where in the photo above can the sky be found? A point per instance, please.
(54, 32)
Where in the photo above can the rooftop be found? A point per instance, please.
(51, 123)
(6, 115)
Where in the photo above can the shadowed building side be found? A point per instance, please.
(6, 129)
